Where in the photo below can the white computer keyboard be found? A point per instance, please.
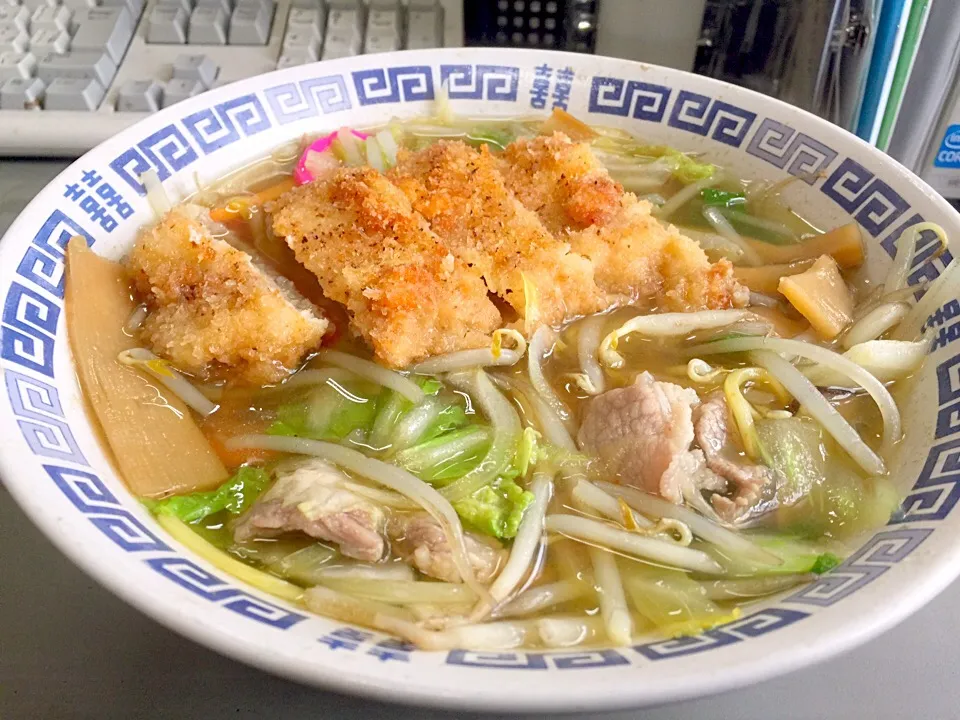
(75, 72)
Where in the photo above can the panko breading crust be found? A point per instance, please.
(407, 295)
(414, 254)
(462, 194)
(212, 310)
(633, 253)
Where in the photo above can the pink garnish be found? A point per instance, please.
(303, 173)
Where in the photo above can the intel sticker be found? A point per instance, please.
(949, 154)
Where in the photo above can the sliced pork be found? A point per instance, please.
(643, 434)
(309, 498)
(748, 481)
(420, 540)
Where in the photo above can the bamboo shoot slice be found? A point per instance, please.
(156, 445)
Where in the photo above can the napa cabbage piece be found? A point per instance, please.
(672, 601)
(683, 167)
(325, 413)
(450, 446)
(798, 555)
(496, 509)
(842, 504)
(794, 448)
(235, 496)
(139, 430)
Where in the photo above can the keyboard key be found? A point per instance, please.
(21, 94)
(81, 4)
(268, 4)
(110, 28)
(295, 56)
(250, 25)
(32, 5)
(140, 96)
(49, 40)
(424, 27)
(134, 6)
(180, 89)
(15, 15)
(383, 28)
(208, 26)
(167, 24)
(13, 38)
(227, 5)
(187, 5)
(17, 65)
(381, 43)
(301, 40)
(196, 67)
(54, 18)
(66, 93)
(77, 65)
(345, 21)
(338, 47)
(311, 20)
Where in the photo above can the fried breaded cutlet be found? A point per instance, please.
(407, 295)
(461, 193)
(562, 181)
(633, 254)
(212, 310)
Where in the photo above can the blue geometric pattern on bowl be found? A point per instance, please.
(32, 310)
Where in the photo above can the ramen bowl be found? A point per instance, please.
(55, 467)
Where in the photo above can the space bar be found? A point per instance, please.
(29, 133)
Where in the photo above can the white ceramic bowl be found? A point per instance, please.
(54, 467)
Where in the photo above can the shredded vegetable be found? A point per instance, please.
(506, 434)
(828, 359)
(666, 325)
(163, 371)
(525, 546)
(601, 534)
(728, 540)
(373, 372)
(389, 475)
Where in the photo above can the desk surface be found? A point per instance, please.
(68, 649)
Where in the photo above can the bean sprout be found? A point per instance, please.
(164, 372)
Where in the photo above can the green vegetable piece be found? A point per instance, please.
(234, 496)
(722, 198)
(795, 449)
(684, 168)
(496, 509)
(443, 457)
(798, 554)
(429, 384)
(825, 563)
(452, 417)
(528, 454)
(326, 414)
(671, 601)
(842, 503)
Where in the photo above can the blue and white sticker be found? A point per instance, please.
(948, 156)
